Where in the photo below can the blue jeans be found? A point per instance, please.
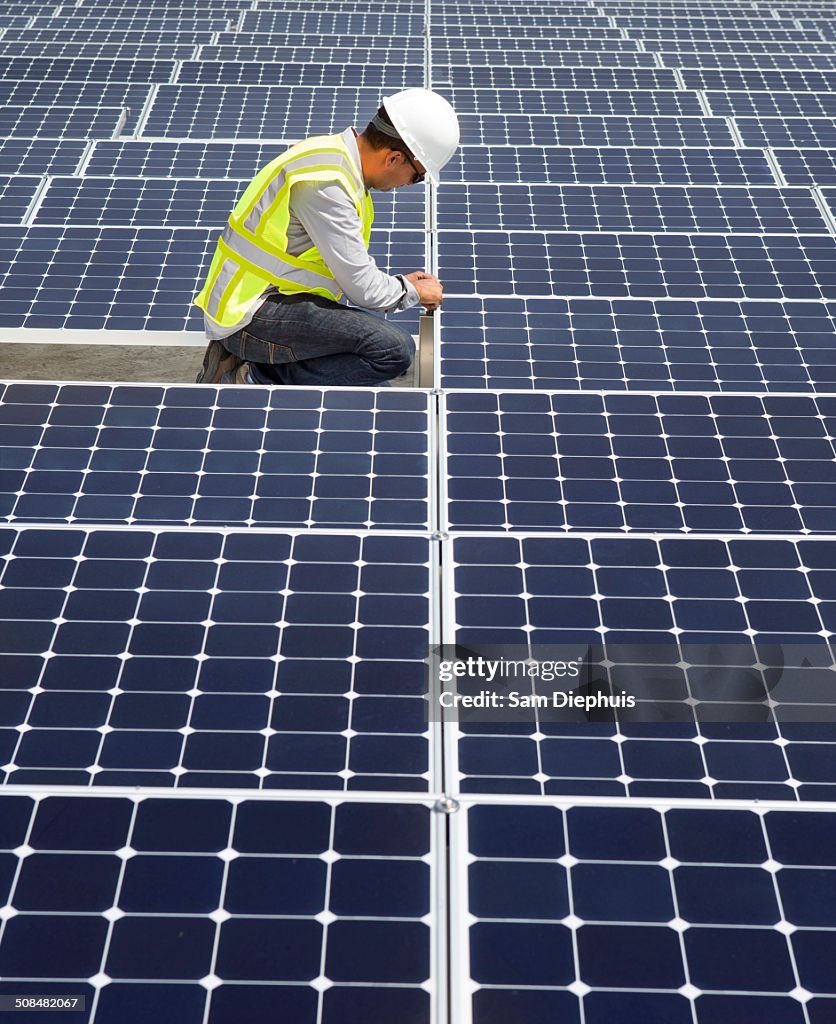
(307, 339)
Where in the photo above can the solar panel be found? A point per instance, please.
(669, 614)
(524, 43)
(772, 104)
(58, 50)
(637, 345)
(256, 112)
(750, 80)
(39, 156)
(552, 130)
(222, 906)
(761, 61)
(685, 266)
(560, 78)
(23, 123)
(724, 46)
(807, 166)
(343, 50)
(787, 131)
(303, 624)
(732, 34)
(670, 914)
(578, 101)
(84, 36)
(130, 278)
(142, 20)
(366, 75)
(176, 202)
(240, 160)
(371, 23)
(194, 455)
(639, 463)
(609, 165)
(629, 208)
(42, 69)
(443, 58)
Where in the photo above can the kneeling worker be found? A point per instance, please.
(298, 239)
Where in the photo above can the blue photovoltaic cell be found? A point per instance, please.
(447, 54)
(608, 165)
(551, 130)
(368, 23)
(245, 660)
(329, 50)
(39, 156)
(787, 132)
(771, 104)
(529, 207)
(663, 608)
(397, 75)
(257, 457)
(85, 70)
(807, 166)
(262, 897)
(142, 35)
(761, 61)
(526, 44)
(256, 112)
(117, 51)
(138, 159)
(755, 81)
(632, 463)
(182, 202)
(652, 345)
(685, 266)
(59, 122)
(628, 914)
(16, 195)
(560, 78)
(129, 278)
(641, 102)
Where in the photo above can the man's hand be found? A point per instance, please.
(429, 289)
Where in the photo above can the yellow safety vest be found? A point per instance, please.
(252, 254)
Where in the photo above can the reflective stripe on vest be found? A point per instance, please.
(251, 254)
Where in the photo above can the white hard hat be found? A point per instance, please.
(427, 124)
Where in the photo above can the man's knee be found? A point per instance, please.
(399, 347)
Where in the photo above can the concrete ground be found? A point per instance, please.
(128, 363)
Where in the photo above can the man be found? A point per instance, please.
(298, 239)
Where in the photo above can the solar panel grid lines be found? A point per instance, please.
(445, 60)
(757, 80)
(24, 123)
(43, 69)
(807, 166)
(343, 50)
(595, 130)
(170, 455)
(513, 77)
(637, 345)
(569, 909)
(690, 599)
(639, 463)
(55, 50)
(271, 606)
(772, 104)
(397, 75)
(757, 61)
(609, 165)
(255, 112)
(704, 208)
(529, 44)
(26, 92)
(787, 132)
(369, 22)
(760, 35)
(638, 265)
(87, 36)
(144, 20)
(40, 156)
(348, 888)
(723, 46)
(156, 159)
(637, 102)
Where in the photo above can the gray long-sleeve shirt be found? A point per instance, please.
(324, 216)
